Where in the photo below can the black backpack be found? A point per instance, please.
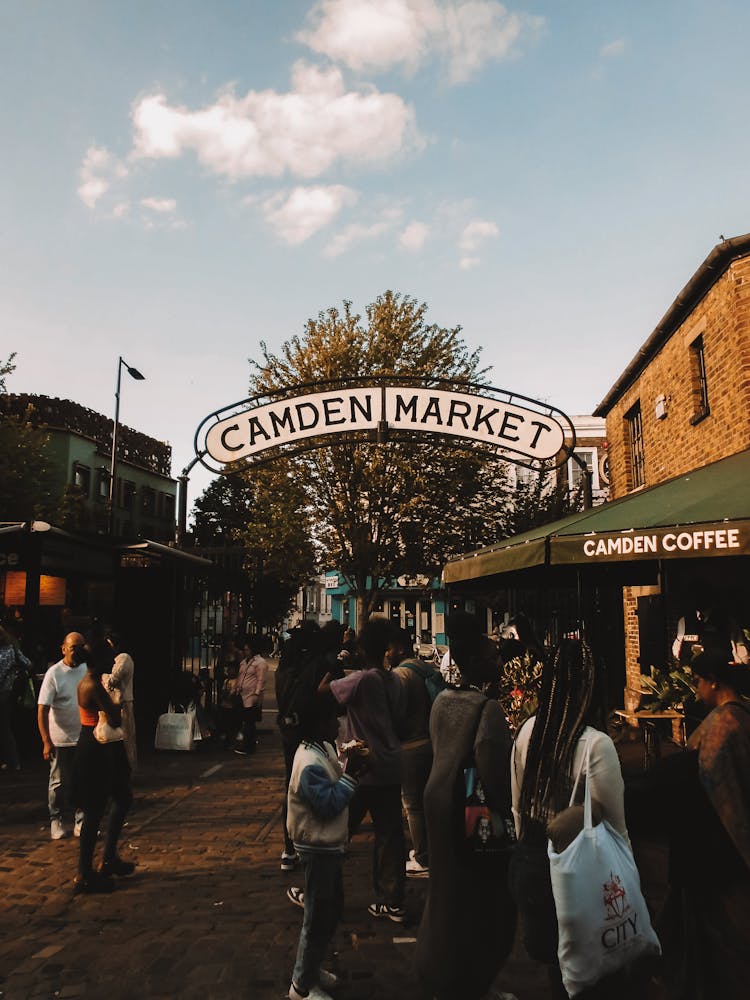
(434, 681)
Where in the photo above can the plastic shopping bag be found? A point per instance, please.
(603, 922)
(176, 730)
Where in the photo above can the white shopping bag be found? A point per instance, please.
(602, 919)
(176, 730)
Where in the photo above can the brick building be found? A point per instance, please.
(681, 404)
(675, 537)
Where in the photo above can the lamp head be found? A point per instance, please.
(135, 373)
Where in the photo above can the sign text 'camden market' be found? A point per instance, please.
(512, 425)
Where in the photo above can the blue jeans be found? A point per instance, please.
(324, 901)
(60, 775)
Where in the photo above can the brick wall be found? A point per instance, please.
(677, 444)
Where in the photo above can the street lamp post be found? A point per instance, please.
(134, 373)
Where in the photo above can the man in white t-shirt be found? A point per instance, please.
(60, 725)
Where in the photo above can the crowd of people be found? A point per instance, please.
(400, 744)
(485, 776)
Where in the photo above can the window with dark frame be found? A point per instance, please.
(102, 485)
(128, 494)
(148, 499)
(699, 379)
(635, 442)
(82, 478)
(166, 506)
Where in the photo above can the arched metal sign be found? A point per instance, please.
(386, 408)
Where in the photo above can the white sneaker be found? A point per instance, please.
(56, 829)
(414, 869)
(316, 993)
(328, 980)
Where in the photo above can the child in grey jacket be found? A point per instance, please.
(317, 818)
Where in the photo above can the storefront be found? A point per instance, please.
(663, 544)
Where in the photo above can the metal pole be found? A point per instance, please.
(113, 463)
(182, 505)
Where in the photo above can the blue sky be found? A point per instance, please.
(180, 180)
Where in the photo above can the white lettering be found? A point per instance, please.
(733, 538)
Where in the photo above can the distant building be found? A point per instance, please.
(80, 450)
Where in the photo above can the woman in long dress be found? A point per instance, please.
(469, 920)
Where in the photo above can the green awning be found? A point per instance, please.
(702, 513)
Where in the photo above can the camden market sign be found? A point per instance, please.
(511, 426)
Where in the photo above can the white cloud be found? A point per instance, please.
(476, 233)
(467, 263)
(414, 237)
(304, 132)
(361, 232)
(473, 237)
(161, 205)
(612, 49)
(98, 172)
(298, 215)
(121, 209)
(377, 35)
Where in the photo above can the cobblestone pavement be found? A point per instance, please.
(206, 914)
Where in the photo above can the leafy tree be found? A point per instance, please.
(406, 506)
(263, 511)
(26, 480)
(539, 499)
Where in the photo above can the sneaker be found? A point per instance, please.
(116, 867)
(289, 861)
(395, 913)
(315, 993)
(92, 883)
(296, 895)
(415, 870)
(56, 829)
(328, 980)
(77, 828)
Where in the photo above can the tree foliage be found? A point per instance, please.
(263, 511)
(26, 479)
(382, 510)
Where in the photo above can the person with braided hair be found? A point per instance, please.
(547, 754)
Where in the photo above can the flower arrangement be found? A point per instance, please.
(518, 691)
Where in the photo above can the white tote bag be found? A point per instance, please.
(176, 730)
(603, 922)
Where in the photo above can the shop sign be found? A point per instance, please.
(721, 539)
(414, 581)
(522, 429)
(332, 582)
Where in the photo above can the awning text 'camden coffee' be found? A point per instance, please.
(692, 541)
